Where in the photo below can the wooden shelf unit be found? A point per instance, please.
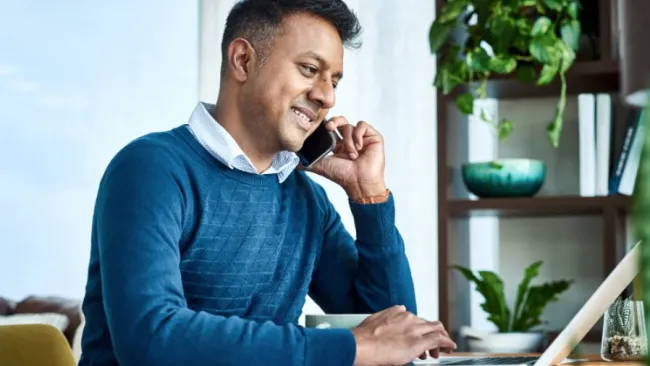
(585, 77)
(537, 206)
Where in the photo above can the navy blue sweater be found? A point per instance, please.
(193, 263)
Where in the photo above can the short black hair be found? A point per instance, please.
(258, 20)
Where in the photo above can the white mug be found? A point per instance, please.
(345, 321)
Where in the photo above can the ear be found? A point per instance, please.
(241, 58)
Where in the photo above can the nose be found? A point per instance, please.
(323, 94)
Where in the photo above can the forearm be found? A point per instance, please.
(383, 276)
(365, 275)
(180, 336)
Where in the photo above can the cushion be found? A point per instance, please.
(51, 304)
(34, 344)
(58, 321)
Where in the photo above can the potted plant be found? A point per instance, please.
(516, 327)
(536, 40)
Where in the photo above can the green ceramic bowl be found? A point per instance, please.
(504, 177)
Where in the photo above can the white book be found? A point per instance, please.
(603, 142)
(587, 141)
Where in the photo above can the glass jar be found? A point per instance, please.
(624, 332)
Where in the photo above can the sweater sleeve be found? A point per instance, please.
(139, 217)
(368, 274)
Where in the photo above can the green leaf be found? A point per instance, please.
(502, 31)
(490, 286)
(529, 274)
(451, 73)
(570, 32)
(495, 300)
(544, 49)
(521, 44)
(537, 299)
(505, 129)
(465, 103)
(438, 34)
(526, 2)
(547, 74)
(503, 64)
(541, 26)
(451, 10)
(469, 275)
(553, 4)
(526, 73)
(446, 81)
(524, 26)
(479, 60)
(573, 9)
(568, 56)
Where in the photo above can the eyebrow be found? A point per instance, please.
(321, 60)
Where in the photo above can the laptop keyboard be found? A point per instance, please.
(489, 361)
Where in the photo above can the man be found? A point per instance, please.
(206, 239)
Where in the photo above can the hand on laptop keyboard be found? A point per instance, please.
(396, 337)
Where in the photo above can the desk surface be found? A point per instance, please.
(593, 360)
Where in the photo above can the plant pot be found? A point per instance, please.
(504, 177)
(624, 332)
(488, 342)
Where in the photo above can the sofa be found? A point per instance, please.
(36, 317)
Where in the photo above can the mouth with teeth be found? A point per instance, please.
(303, 120)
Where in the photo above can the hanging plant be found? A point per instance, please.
(536, 40)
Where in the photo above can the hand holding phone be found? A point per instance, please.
(358, 161)
(317, 146)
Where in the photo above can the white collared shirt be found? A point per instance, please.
(220, 144)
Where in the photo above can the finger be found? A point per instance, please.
(442, 327)
(426, 327)
(336, 122)
(435, 330)
(388, 312)
(435, 353)
(394, 310)
(423, 356)
(409, 318)
(360, 132)
(346, 132)
(436, 341)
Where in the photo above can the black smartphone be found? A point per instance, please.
(320, 143)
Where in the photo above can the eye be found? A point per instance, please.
(310, 69)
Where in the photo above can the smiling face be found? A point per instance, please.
(286, 98)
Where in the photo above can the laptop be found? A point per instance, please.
(556, 353)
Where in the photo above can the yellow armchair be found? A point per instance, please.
(34, 345)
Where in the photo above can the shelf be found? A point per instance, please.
(583, 77)
(537, 206)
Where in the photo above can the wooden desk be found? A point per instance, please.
(592, 360)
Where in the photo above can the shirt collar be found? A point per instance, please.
(220, 144)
